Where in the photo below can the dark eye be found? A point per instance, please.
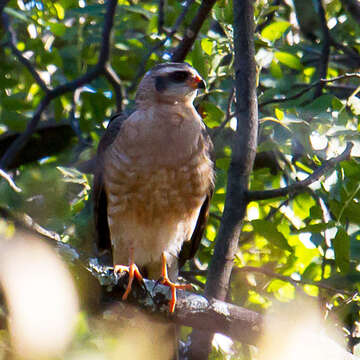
(178, 76)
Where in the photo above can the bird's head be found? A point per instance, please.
(170, 83)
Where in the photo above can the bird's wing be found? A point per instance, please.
(100, 200)
(190, 248)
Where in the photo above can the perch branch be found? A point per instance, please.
(303, 184)
(191, 309)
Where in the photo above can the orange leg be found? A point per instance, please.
(166, 281)
(133, 271)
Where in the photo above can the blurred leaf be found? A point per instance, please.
(213, 114)
(341, 244)
(275, 30)
(198, 60)
(207, 45)
(269, 231)
(289, 60)
(57, 28)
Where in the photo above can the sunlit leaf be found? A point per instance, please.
(275, 30)
(270, 232)
(289, 60)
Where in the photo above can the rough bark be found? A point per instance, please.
(242, 160)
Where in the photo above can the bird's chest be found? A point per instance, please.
(151, 193)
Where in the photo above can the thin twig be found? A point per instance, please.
(192, 31)
(10, 181)
(99, 69)
(292, 281)
(115, 82)
(309, 87)
(272, 274)
(228, 115)
(269, 17)
(303, 184)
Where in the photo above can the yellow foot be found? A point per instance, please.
(173, 286)
(133, 271)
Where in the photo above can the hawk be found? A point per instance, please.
(154, 178)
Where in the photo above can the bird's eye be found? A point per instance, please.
(178, 76)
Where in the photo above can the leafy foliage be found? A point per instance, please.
(307, 240)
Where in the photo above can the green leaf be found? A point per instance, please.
(279, 114)
(289, 60)
(269, 231)
(341, 244)
(311, 272)
(198, 60)
(213, 114)
(320, 104)
(207, 45)
(275, 30)
(60, 11)
(275, 70)
(57, 29)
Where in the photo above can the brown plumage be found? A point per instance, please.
(154, 176)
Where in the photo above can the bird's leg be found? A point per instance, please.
(132, 270)
(173, 286)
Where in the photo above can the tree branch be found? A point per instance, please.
(99, 69)
(309, 87)
(191, 309)
(303, 184)
(12, 45)
(10, 181)
(179, 54)
(115, 82)
(242, 160)
(272, 274)
(325, 51)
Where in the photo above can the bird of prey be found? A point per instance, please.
(154, 178)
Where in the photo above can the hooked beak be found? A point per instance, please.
(196, 83)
